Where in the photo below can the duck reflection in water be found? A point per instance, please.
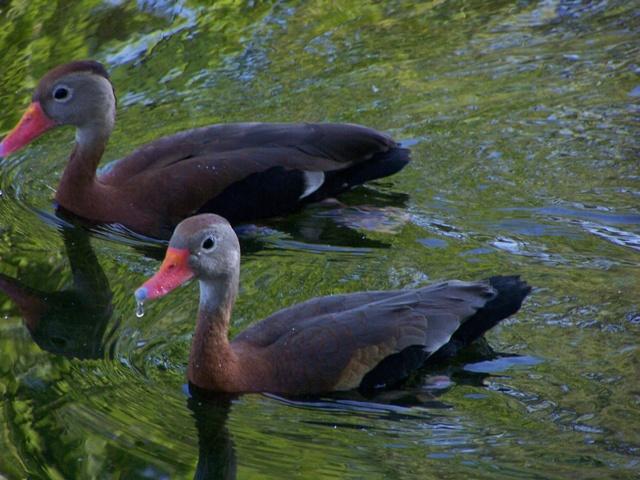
(329, 225)
(216, 451)
(334, 224)
(217, 458)
(70, 322)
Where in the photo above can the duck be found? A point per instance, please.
(357, 341)
(242, 171)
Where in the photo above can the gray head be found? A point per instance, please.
(76, 93)
(214, 250)
(204, 246)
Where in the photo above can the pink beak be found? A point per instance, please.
(173, 272)
(33, 123)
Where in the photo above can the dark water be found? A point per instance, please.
(523, 119)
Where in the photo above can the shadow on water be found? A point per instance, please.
(216, 452)
(328, 226)
(333, 225)
(70, 322)
(417, 397)
(472, 367)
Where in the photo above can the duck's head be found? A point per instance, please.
(77, 93)
(205, 247)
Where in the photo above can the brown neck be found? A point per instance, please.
(213, 364)
(81, 170)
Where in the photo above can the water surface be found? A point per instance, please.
(522, 118)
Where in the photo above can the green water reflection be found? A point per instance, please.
(522, 118)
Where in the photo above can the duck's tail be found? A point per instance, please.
(382, 164)
(511, 292)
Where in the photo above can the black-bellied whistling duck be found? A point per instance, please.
(242, 171)
(359, 340)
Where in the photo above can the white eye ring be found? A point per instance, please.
(62, 93)
(209, 243)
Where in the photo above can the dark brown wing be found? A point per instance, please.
(269, 330)
(337, 348)
(313, 147)
(248, 171)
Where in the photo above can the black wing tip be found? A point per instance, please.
(391, 161)
(382, 164)
(511, 292)
(399, 154)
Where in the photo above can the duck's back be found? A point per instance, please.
(305, 146)
(372, 339)
(249, 171)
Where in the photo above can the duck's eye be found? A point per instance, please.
(208, 243)
(62, 93)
